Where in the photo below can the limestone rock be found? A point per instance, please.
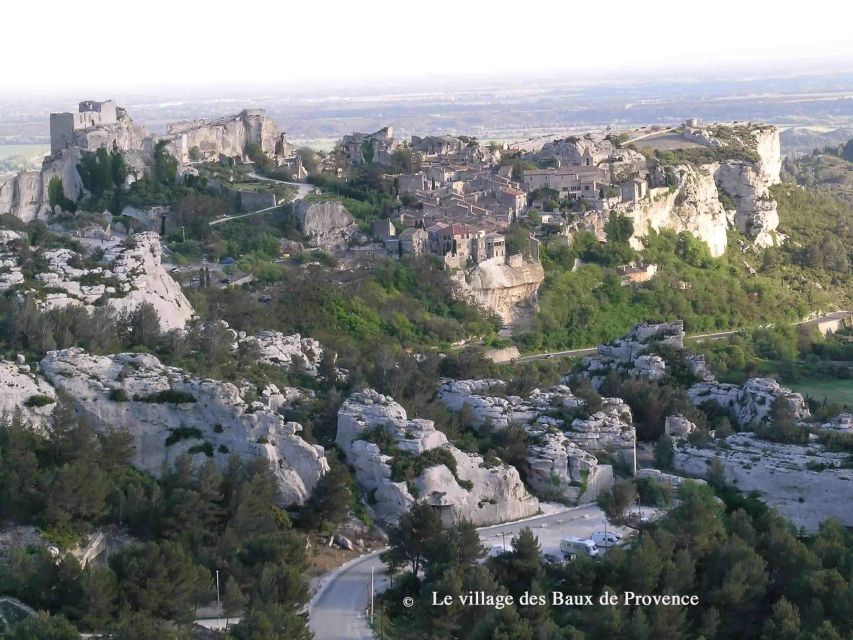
(130, 274)
(630, 353)
(18, 385)
(805, 484)
(202, 417)
(328, 224)
(485, 495)
(290, 352)
(750, 404)
(678, 426)
(501, 287)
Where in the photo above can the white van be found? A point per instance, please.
(579, 546)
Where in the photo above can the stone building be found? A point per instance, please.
(89, 114)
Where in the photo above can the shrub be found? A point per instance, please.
(38, 401)
(182, 433)
(118, 395)
(168, 396)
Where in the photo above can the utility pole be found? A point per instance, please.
(184, 232)
(503, 537)
(218, 605)
(371, 594)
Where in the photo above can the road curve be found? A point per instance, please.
(338, 609)
(586, 351)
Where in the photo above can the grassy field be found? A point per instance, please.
(833, 390)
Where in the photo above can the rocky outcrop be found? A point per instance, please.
(806, 484)
(129, 274)
(692, 205)
(328, 224)
(227, 136)
(631, 355)
(564, 437)
(473, 490)
(751, 403)
(293, 352)
(747, 185)
(170, 413)
(25, 195)
(23, 391)
(677, 427)
(501, 287)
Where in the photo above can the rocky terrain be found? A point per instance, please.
(751, 403)
(128, 275)
(170, 413)
(328, 224)
(806, 484)
(709, 198)
(631, 355)
(565, 438)
(227, 136)
(23, 391)
(25, 195)
(483, 493)
(505, 289)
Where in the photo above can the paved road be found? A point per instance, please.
(337, 611)
(828, 317)
(302, 190)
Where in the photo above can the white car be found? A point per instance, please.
(606, 539)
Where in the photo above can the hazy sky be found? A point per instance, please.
(115, 44)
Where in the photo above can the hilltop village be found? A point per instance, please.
(278, 359)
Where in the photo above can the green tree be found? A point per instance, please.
(42, 627)
(413, 535)
(664, 453)
(332, 499)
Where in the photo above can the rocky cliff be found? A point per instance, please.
(806, 484)
(23, 391)
(693, 206)
(25, 195)
(502, 288)
(564, 436)
(129, 274)
(706, 199)
(227, 136)
(328, 224)
(465, 488)
(169, 413)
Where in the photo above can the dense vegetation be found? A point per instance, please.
(178, 531)
(754, 578)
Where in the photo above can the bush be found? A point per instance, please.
(118, 395)
(168, 396)
(38, 401)
(183, 433)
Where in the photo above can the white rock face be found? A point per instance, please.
(750, 404)
(290, 351)
(129, 275)
(756, 215)
(780, 473)
(218, 423)
(502, 288)
(629, 353)
(17, 385)
(328, 224)
(678, 427)
(561, 461)
(692, 206)
(484, 495)
(25, 195)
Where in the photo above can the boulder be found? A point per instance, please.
(678, 426)
(328, 224)
(751, 403)
(23, 391)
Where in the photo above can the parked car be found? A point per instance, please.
(579, 546)
(553, 558)
(227, 260)
(606, 539)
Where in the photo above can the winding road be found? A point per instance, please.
(302, 190)
(826, 319)
(338, 609)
